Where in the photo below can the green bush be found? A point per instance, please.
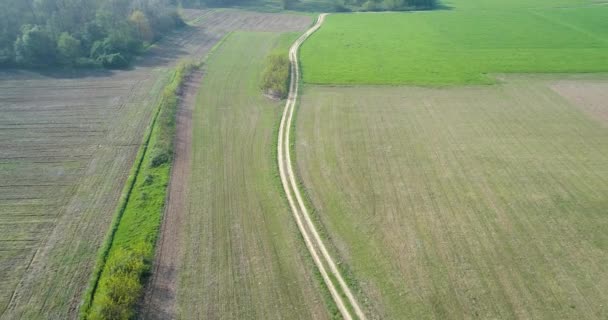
(87, 63)
(275, 79)
(370, 6)
(113, 61)
(68, 48)
(159, 158)
(122, 283)
(340, 6)
(35, 47)
(148, 180)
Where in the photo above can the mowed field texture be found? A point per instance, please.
(67, 143)
(459, 45)
(241, 253)
(483, 202)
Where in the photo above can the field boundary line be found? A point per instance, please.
(313, 241)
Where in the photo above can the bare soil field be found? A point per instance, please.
(67, 142)
(240, 252)
(481, 202)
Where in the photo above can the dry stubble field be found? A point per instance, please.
(481, 202)
(67, 142)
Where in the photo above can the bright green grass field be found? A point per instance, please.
(458, 46)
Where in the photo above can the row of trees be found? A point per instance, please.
(36, 33)
(336, 5)
(211, 3)
(384, 5)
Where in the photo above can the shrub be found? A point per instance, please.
(6, 51)
(423, 4)
(68, 48)
(275, 79)
(113, 61)
(121, 286)
(148, 180)
(142, 26)
(168, 21)
(340, 6)
(394, 4)
(87, 63)
(34, 47)
(159, 158)
(370, 6)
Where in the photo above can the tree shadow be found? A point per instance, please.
(54, 72)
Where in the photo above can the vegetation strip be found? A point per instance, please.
(125, 256)
(299, 210)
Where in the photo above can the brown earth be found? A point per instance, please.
(159, 300)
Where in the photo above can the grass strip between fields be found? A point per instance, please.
(126, 254)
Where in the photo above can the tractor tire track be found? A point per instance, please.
(340, 292)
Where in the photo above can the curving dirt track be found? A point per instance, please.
(314, 243)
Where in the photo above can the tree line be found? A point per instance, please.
(330, 5)
(109, 33)
(384, 5)
(210, 3)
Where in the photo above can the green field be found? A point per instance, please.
(242, 255)
(459, 46)
(484, 202)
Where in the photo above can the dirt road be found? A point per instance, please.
(315, 245)
(161, 290)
